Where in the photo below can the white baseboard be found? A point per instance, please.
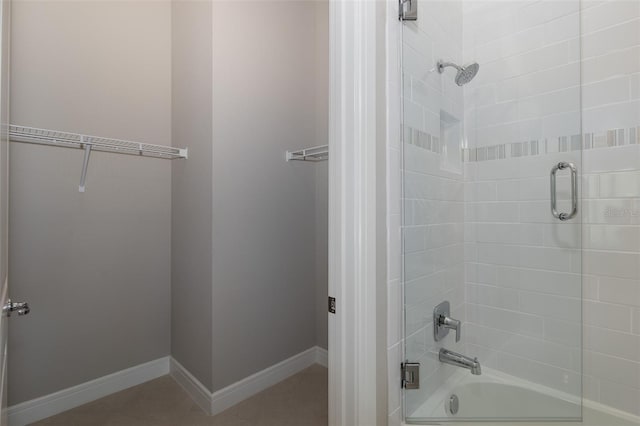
(214, 403)
(322, 357)
(247, 387)
(66, 399)
(194, 388)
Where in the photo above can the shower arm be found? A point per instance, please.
(443, 65)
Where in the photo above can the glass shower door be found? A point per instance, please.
(492, 156)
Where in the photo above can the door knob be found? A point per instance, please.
(22, 308)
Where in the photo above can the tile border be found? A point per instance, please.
(594, 140)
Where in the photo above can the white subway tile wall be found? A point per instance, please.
(395, 338)
(531, 297)
(433, 198)
(529, 65)
(543, 255)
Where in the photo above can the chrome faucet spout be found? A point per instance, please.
(459, 360)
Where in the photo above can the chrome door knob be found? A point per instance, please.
(22, 308)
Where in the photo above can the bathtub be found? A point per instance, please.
(483, 397)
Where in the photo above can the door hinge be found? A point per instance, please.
(410, 373)
(332, 305)
(408, 10)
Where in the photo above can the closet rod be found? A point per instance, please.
(316, 153)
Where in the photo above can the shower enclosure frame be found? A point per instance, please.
(567, 212)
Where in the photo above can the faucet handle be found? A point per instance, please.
(452, 324)
(442, 322)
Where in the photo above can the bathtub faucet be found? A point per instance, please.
(459, 360)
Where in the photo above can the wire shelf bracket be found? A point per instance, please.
(88, 143)
(316, 153)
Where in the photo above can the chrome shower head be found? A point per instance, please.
(464, 75)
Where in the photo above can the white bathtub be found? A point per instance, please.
(494, 397)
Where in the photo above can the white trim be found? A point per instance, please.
(192, 386)
(214, 403)
(249, 386)
(40, 408)
(353, 184)
(322, 357)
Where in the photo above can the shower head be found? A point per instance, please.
(464, 75)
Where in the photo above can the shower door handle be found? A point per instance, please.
(574, 191)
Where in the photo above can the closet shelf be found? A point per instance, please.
(316, 153)
(92, 143)
(96, 143)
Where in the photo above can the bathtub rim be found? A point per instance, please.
(490, 375)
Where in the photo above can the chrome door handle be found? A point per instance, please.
(574, 191)
(22, 308)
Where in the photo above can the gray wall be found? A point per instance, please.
(321, 78)
(233, 228)
(245, 270)
(322, 254)
(4, 194)
(264, 102)
(191, 302)
(95, 267)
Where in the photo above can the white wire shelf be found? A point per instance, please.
(73, 140)
(316, 153)
(92, 143)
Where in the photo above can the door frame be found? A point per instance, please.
(357, 241)
(5, 16)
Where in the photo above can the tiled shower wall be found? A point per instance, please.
(394, 256)
(433, 261)
(433, 239)
(523, 112)
(523, 266)
(611, 234)
(523, 282)
(433, 203)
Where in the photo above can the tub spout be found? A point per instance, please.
(459, 360)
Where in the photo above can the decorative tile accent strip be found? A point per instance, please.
(422, 140)
(605, 139)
